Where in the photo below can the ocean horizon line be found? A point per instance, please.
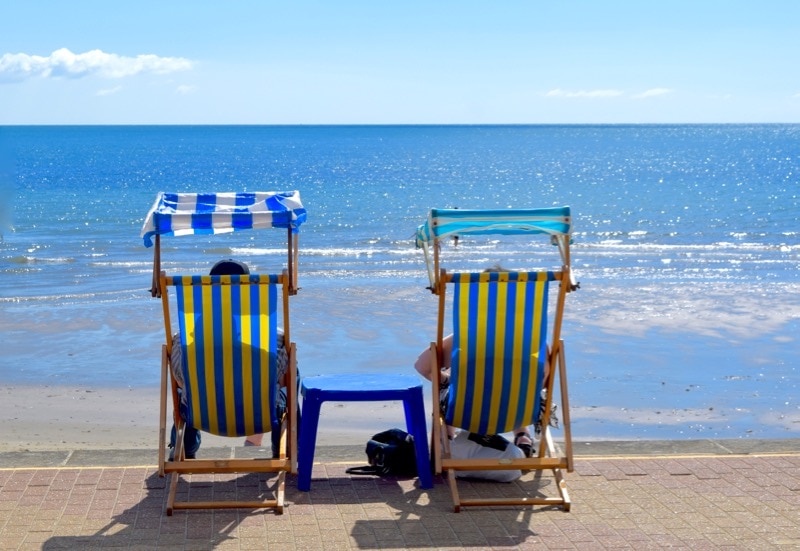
(404, 125)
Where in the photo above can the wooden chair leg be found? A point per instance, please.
(280, 492)
(173, 487)
(451, 481)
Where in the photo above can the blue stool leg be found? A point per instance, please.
(415, 425)
(309, 421)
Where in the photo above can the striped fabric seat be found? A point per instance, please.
(229, 339)
(499, 349)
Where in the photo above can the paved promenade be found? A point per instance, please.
(698, 494)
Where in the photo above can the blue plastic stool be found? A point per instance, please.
(358, 387)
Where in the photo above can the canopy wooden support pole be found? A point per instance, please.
(155, 289)
(292, 256)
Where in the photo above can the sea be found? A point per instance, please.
(686, 245)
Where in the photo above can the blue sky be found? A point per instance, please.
(403, 62)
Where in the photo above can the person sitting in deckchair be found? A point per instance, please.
(522, 435)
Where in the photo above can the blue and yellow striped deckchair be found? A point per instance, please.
(502, 365)
(229, 343)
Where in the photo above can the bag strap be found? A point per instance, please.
(366, 470)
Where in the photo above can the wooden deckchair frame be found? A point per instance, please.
(287, 459)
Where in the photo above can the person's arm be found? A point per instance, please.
(423, 363)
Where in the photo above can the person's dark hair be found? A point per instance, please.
(229, 266)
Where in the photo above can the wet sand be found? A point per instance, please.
(66, 418)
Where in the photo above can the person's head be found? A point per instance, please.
(229, 266)
(496, 268)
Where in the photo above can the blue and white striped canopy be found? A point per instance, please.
(444, 223)
(210, 213)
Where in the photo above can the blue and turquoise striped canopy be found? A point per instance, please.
(210, 213)
(444, 223)
(555, 222)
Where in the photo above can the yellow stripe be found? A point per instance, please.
(247, 359)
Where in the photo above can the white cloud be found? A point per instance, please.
(109, 91)
(652, 93)
(64, 63)
(558, 93)
(185, 89)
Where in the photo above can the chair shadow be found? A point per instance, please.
(145, 524)
(371, 512)
(396, 513)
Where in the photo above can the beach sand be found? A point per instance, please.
(69, 418)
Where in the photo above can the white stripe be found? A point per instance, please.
(187, 202)
(221, 221)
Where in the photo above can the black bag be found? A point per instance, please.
(389, 452)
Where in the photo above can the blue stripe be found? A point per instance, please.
(236, 353)
(508, 351)
(206, 202)
(219, 370)
(163, 222)
(543, 347)
(489, 367)
(527, 348)
(241, 220)
(202, 221)
(245, 199)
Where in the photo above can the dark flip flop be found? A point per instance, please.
(526, 447)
